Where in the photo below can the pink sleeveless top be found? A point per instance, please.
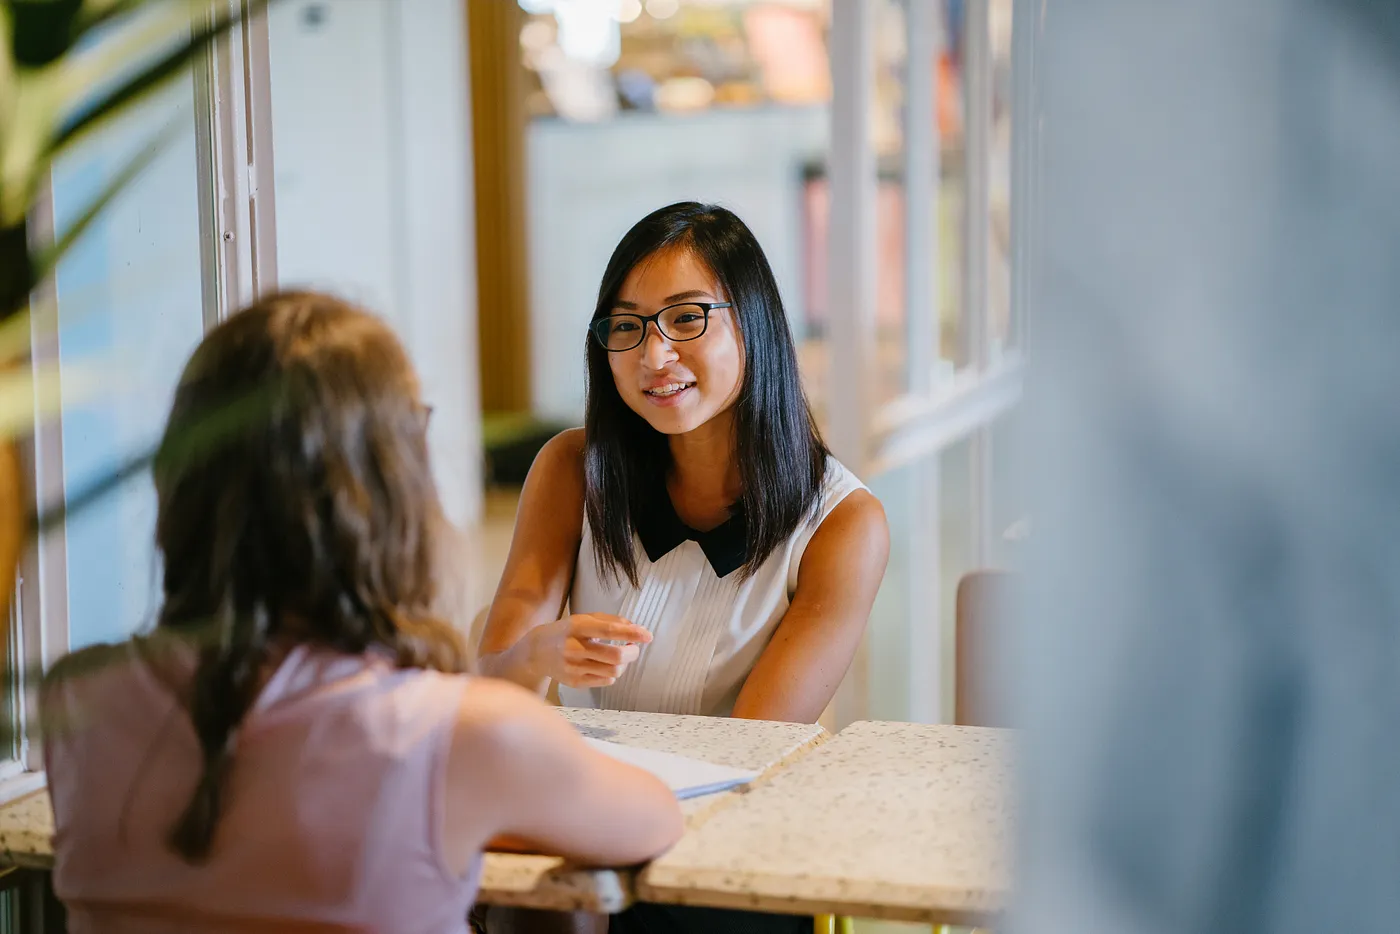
(332, 815)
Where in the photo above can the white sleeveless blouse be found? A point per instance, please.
(707, 630)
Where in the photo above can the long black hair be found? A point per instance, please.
(781, 455)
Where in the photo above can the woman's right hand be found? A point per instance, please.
(571, 652)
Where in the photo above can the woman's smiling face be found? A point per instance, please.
(677, 386)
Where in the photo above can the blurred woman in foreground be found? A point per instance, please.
(297, 743)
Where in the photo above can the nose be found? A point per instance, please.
(657, 351)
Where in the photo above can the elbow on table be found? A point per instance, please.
(659, 827)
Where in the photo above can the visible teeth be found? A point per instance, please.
(669, 389)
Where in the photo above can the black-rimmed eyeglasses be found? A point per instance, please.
(683, 322)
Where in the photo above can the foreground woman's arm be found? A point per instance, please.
(798, 673)
(525, 641)
(518, 770)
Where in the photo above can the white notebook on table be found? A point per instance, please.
(686, 777)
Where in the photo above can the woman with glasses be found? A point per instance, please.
(694, 548)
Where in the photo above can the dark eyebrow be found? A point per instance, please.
(685, 296)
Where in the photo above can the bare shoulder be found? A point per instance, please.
(552, 501)
(556, 476)
(853, 541)
(499, 721)
(859, 519)
(562, 454)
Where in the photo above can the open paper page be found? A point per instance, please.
(686, 777)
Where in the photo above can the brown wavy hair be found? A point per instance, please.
(295, 503)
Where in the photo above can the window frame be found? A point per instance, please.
(238, 251)
(38, 617)
(915, 429)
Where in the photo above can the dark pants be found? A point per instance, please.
(673, 919)
(639, 919)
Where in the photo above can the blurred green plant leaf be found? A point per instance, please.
(27, 393)
(43, 29)
(15, 336)
(47, 259)
(200, 440)
(31, 112)
(97, 12)
(115, 101)
(49, 103)
(83, 87)
(9, 77)
(40, 522)
(16, 269)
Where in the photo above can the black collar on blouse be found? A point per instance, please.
(726, 546)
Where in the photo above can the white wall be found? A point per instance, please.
(590, 182)
(373, 185)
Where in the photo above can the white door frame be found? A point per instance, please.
(235, 130)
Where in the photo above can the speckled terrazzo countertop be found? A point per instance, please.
(26, 831)
(887, 820)
(548, 882)
(26, 824)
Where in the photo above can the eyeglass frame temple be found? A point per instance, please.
(656, 320)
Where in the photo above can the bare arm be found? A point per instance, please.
(520, 774)
(540, 565)
(524, 640)
(798, 673)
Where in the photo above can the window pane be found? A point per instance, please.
(1011, 519)
(931, 548)
(950, 212)
(130, 298)
(892, 120)
(891, 618)
(889, 371)
(1002, 329)
(913, 624)
(948, 255)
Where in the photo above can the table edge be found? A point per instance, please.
(820, 895)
